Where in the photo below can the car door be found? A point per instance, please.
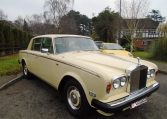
(33, 55)
(46, 64)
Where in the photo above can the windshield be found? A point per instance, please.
(68, 44)
(112, 47)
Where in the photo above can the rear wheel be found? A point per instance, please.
(75, 99)
(26, 73)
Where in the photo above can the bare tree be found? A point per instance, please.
(40, 24)
(162, 29)
(57, 9)
(46, 17)
(68, 25)
(35, 23)
(132, 12)
(19, 22)
(3, 16)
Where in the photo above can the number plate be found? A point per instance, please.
(138, 103)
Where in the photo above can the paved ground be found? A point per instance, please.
(6, 79)
(33, 99)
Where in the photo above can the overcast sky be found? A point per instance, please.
(14, 8)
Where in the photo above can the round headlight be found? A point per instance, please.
(123, 81)
(148, 74)
(152, 72)
(116, 83)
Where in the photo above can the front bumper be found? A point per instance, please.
(125, 102)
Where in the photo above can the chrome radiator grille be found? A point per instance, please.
(138, 78)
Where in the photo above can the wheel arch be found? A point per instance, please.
(72, 76)
(23, 61)
(69, 77)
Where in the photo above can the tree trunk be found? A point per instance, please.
(131, 44)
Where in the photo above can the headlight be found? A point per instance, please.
(116, 83)
(151, 73)
(148, 74)
(123, 81)
(119, 82)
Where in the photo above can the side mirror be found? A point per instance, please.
(45, 50)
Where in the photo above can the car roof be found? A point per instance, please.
(60, 35)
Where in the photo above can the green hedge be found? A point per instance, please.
(158, 49)
(11, 37)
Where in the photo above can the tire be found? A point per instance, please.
(26, 73)
(75, 99)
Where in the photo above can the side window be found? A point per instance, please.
(47, 44)
(36, 45)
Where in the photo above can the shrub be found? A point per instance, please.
(127, 47)
(158, 49)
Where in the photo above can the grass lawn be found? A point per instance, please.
(142, 54)
(162, 65)
(146, 55)
(9, 65)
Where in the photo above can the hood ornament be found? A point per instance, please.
(138, 58)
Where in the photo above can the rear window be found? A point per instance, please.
(36, 46)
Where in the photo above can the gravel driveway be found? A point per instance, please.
(34, 99)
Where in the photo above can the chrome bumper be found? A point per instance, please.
(125, 102)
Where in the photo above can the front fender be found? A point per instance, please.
(80, 80)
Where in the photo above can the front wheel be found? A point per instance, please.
(75, 99)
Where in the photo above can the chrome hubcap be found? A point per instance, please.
(25, 70)
(73, 97)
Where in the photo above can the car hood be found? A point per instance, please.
(117, 52)
(102, 63)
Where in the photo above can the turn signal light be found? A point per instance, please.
(108, 88)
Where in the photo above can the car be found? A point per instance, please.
(86, 78)
(115, 49)
(99, 43)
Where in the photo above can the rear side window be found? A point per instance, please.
(36, 46)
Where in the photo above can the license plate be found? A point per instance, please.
(138, 103)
